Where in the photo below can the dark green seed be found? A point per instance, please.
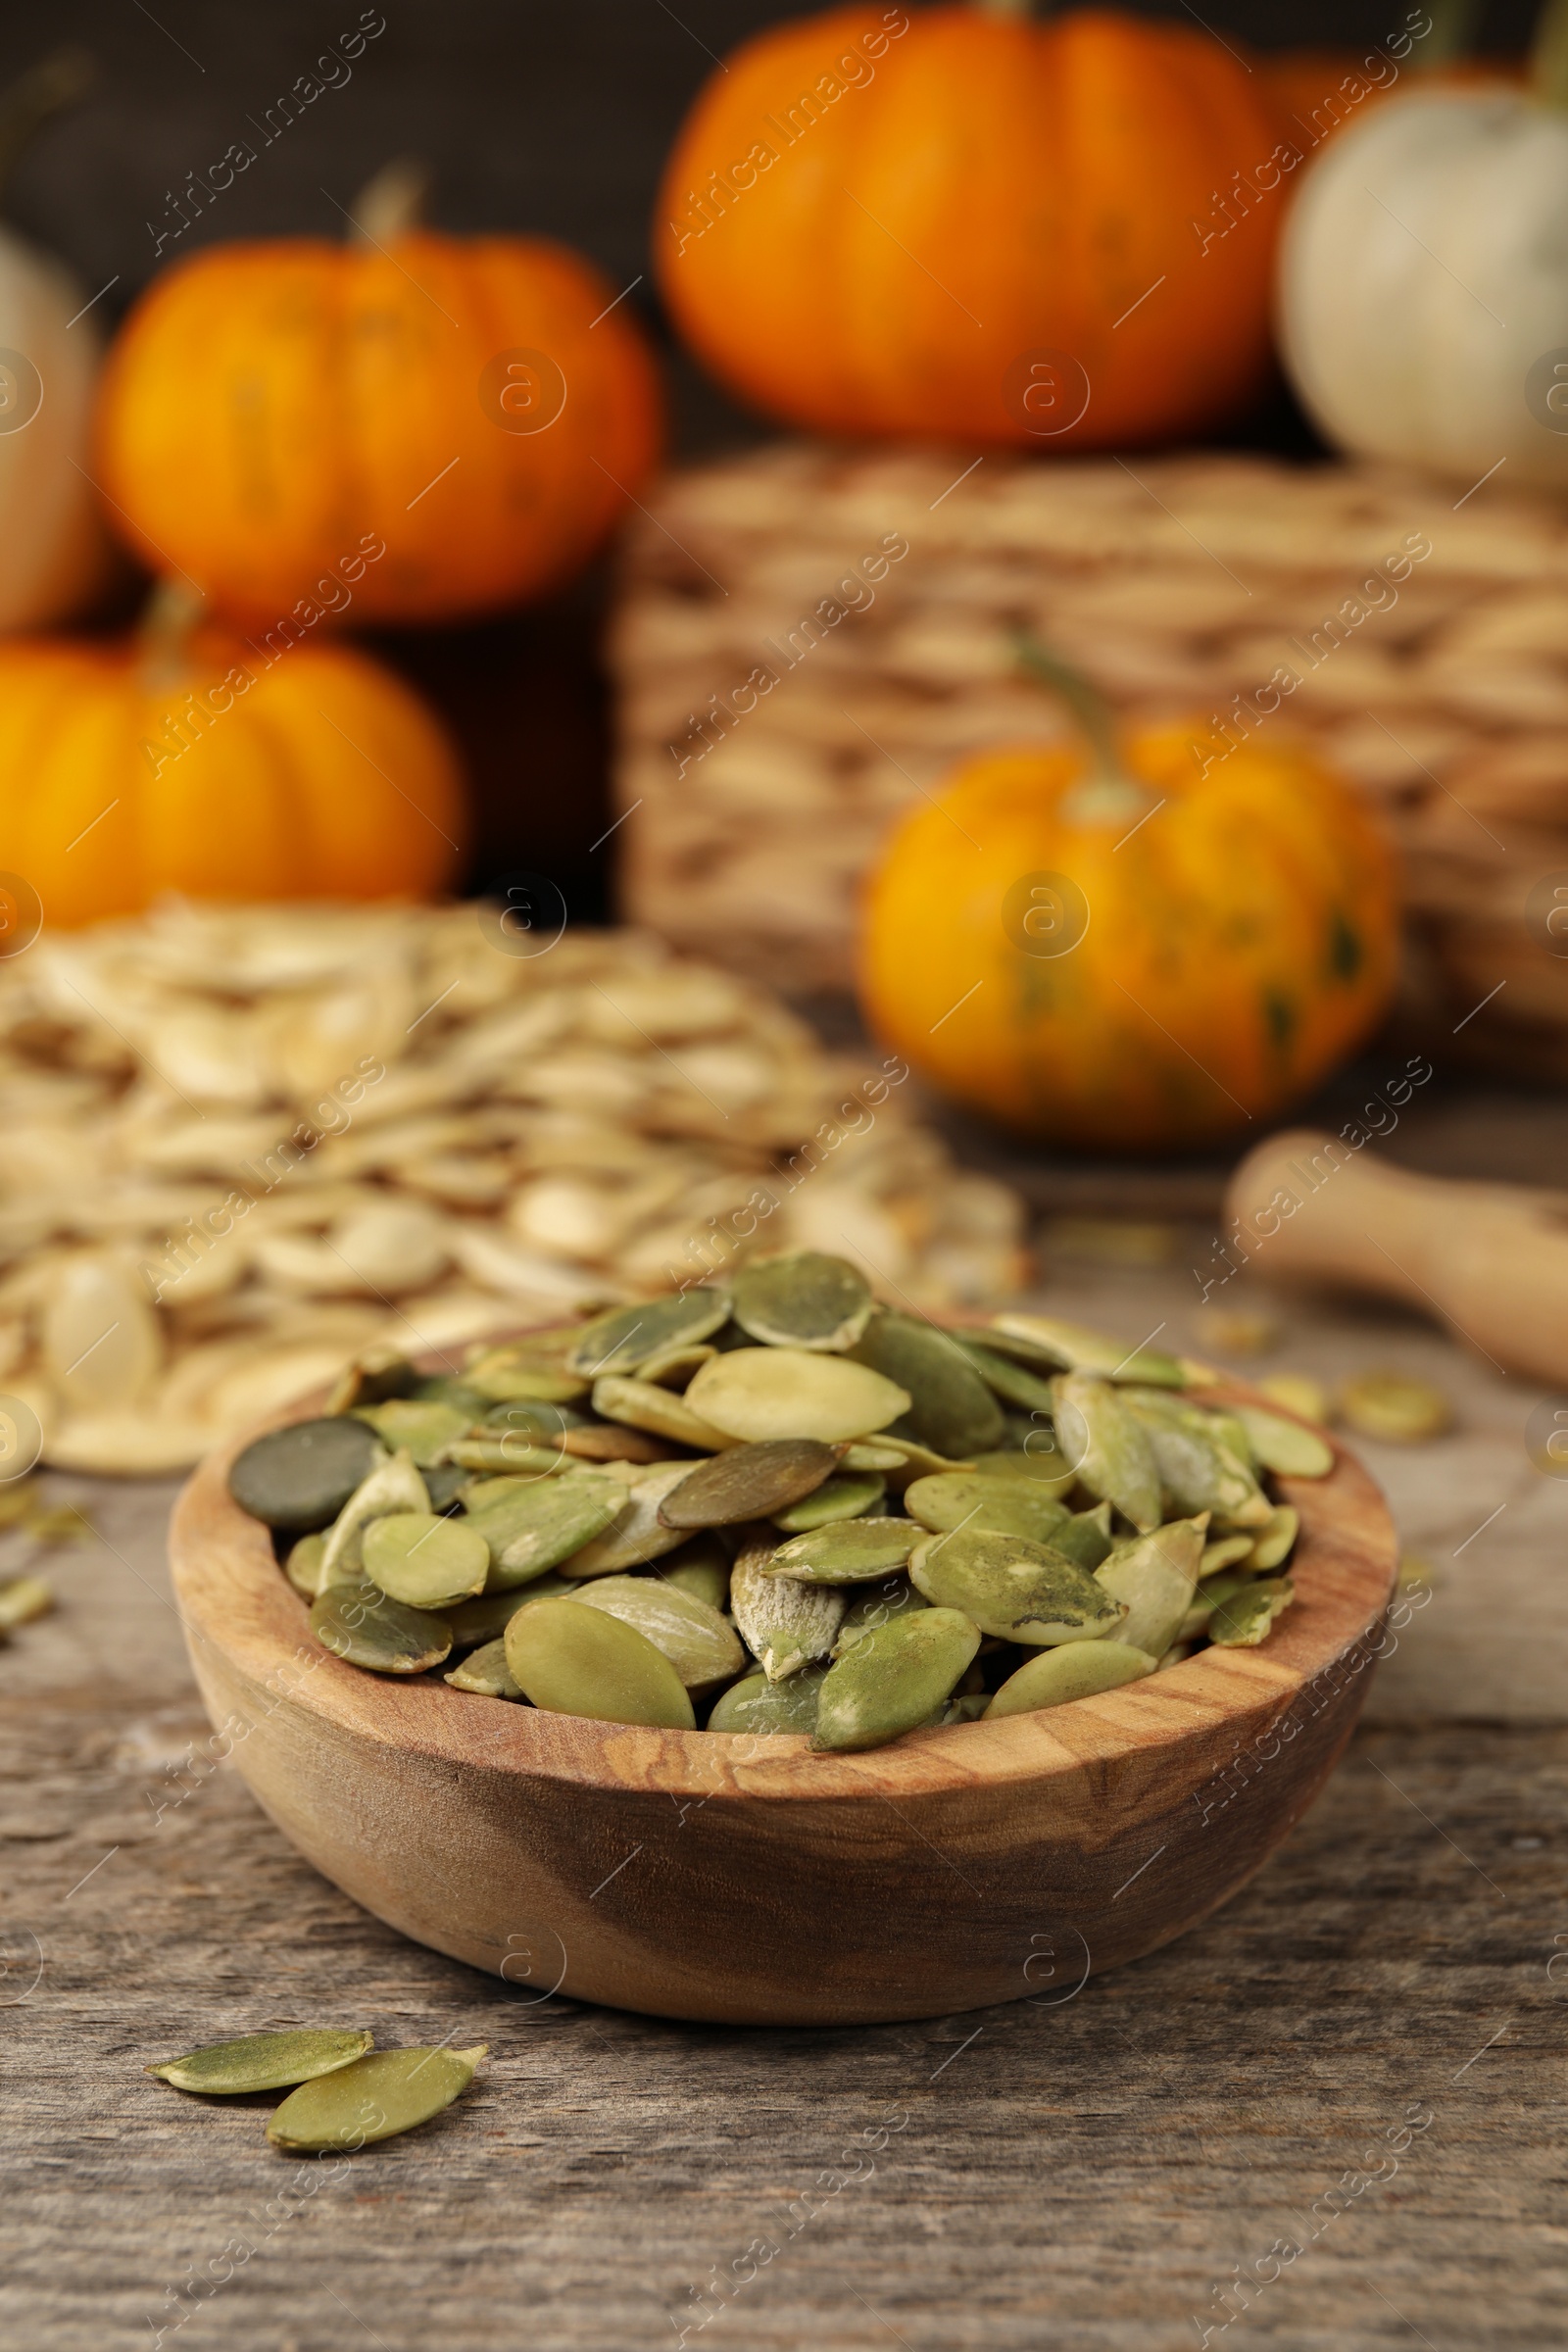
(749, 1482)
(951, 1410)
(359, 1624)
(298, 1479)
(805, 1300)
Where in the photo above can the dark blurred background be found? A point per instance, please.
(551, 121)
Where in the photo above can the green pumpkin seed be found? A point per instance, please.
(1071, 1347)
(846, 1551)
(1274, 1541)
(505, 1374)
(263, 2061)
(999, 1506)
(374, 2098)
(1156, 1579)
(673, 1369)
(1013, 1383)
(542, 1522)
(1039, 1460)
(762, 1392)
(1053, 1678)
(770, 1709)
(445, 1387)
(1286, 1448)
(422, 1431)
(804, 1299)
(23, 1598)
(1085, 1537)
(571, 1660)
(392, 1485)
(1242, 1621)
(1225, 1552)
(701, 1645)
(507, 1455)
(640, 1404)
(879, 1605)
(894, 1679)
(303, 1567)
(445, 1484)
(846, 1496)
(1197, 1472)
(637, 1534)
(786, 1624)
(359, 1624)
(1109, 1449)
(873, 1456)
(485, 1673)
(950, 1408)
(749, 1482)
(300, 1478)
(381, 1371)
(1014, 1588)
(487, 1616)
(425, 1563)
(534, 1420)
(623, 1340)
(703, 1568)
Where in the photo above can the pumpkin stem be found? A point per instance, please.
(172, 612)
(393, 203)
(1452, 35)
(57, 80)
(1109, 794)
(1005, 8)
(1549, 55)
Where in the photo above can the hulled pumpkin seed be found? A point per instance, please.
(642, 1405)
(485, 1673)
(623, 1340)
(760, 1392)
(508, 1454)
(786, 1624)
(893, 1678)
(376, 2098)
(803, 1300)
(899, 1459)
(846, 1551)
(263, 2061)
(637, 1532)
(1080, 1670)
(1241, 1620)
(1047, 1340)
(542, 1522)
(848, 1496)
(392, 1485)
(701, 1645)
(1109, 1449)
(1274, 1541)
(1198, 1471)
(1154, 1579)
(614, 1441)
(703, 1568)
(23, 1598)
(502, 1374)
(487, 1616)
(1224, 1552)
(673, 1369)
(1041, 1462)
(999, 1506)
(425, 1563)
(299, 1478)
(1085, 1537)
(749, 1482)
(1292, 1451)
(571, 1660)
(1014, 1588)
(770, 1709)
(879, 1605)
(303, 1567)
(950, 1408)
(424, 1431)
(1013, 1382)
(444, 1484)
(362, 1625)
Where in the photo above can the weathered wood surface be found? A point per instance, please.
(1086, 2170)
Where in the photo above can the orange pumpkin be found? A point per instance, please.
(1144, 946)
(200, 764)
(956, 223)
(476, 403)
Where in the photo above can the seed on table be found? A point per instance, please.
(392, 1485)
(1079, 1670)
(1154, 1577)
(1084, 1537)
(893, 1678)
(805, 1298)
(538, 1523)
(999, 1506)
(874, 1605)
(767, 1709)
(764, 1392)
(1292, 1451)
(624, 1339)
(485, 1671)
(1109, 1449)
(950, 1408)
(1014, 1587)
(637, 1534)
(425, 1563)
(298, 1479)
(424, 1431)
(263, 2061)
(23, 1598)
(642, 1405)
(571, 1660)
(1244, 1618)
(846, 1551)
(1298, 1392)
(749, 1482)
(362, 1625)
(376, 2098)
(701, 1645)
(786, 1624)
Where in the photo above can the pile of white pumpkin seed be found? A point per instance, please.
(238, 1145)
(775, 1505)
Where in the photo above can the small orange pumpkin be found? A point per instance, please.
(1144, 946)
(955, 222)
(196, 763)
(477, 404)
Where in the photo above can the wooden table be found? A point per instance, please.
(1346, 2089)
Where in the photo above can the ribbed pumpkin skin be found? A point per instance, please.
(1040, 178)
(265, 404)
(325, 779)
(1241, 942)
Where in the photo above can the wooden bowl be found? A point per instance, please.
(709, 1876)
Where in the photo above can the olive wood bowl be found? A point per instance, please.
(750, 1880)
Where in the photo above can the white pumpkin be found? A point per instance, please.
(1423, 288)
(55, 549)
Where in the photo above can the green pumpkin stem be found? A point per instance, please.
(1452, 36)
(392, 204)
(1110, 791)
(57, 80)
(1549, 55)
(168, 618)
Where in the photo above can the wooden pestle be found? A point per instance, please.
(1489, 1259)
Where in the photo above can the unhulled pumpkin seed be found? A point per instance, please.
(1085, 1537)
(1292, 1451)
(392, 1485)
(376, 2098)
(760, 1392)
(487, 1616)
(749, 1482)
(770, 1709)
(1079, 1670)
(362, 1625)
(785, 1623)
(803, 1300)
(1274, 1541)
(1109, 1450)
(424, 1431)
(1014, 1587)
(298, 1479)
(701, 1645)
(614, 1441)
(878, 1605)
(1156, 1579)
(850, 1494)
(571, 1660)
(624, 1339)
(637, 1532)
(846, 1551)
(1241, 1620)
(1047, 1340)
(643, 1404)
(998, 1506)
(425, 1563)
(701, 1567)
(950, 1408)
(303, 1566)
(263, 2061)
(541, 1522)
(893, 1678)
(23, 1598)
(486, 1673)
